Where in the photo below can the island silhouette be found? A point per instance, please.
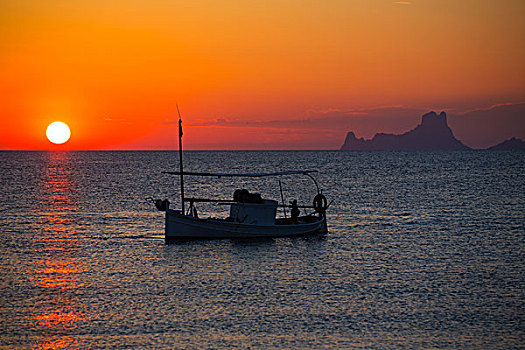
(512, 143)
(433, 133)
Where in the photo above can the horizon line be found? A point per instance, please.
(244, 150)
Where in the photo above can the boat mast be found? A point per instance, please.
(180, 162)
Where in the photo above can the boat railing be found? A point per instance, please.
(229, 202)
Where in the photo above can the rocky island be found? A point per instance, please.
(512, 143)
(432, 134)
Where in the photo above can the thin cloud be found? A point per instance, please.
(402, 3)
(327, 120)
(489, 108)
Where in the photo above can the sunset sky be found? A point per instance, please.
(257, 74)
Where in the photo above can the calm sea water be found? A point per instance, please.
(425, 250)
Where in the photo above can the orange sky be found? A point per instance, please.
(249, 74)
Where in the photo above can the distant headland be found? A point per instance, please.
(433, 133)
(512, 143)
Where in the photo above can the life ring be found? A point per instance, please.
(320, 203)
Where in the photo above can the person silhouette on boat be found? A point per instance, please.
(295, 211)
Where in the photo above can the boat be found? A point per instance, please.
(250, 216)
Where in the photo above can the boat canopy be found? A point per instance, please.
(292, 172)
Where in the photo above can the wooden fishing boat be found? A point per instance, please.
(251, 216)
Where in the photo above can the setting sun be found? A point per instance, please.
(58, 132)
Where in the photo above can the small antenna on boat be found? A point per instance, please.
(180, 161)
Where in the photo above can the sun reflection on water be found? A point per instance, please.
(58, 274)
(69, 343)
(58, 319)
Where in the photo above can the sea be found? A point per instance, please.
(425, 250)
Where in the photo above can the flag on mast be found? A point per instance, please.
(180, 122)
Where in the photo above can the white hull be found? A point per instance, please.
(183, 226)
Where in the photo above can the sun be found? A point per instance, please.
(58, 132)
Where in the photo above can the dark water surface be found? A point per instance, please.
(425, 250)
